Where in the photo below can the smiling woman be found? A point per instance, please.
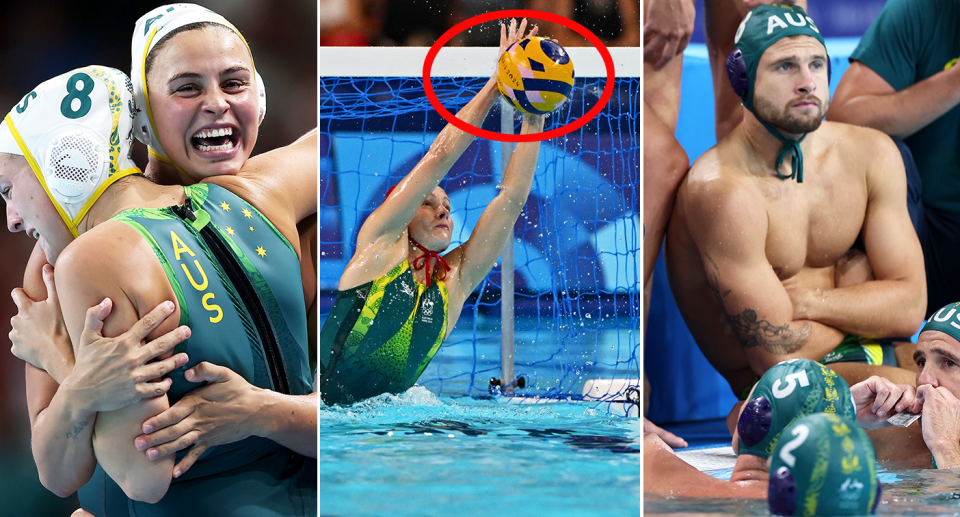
(203, 100)
(220, 105)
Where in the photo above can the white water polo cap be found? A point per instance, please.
(151, 28)
(75, 131)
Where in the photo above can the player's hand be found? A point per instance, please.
(112, 373)
(668, 437)
(941, 422)
(669, 24)
(38, 333)
(656, 440)
(513, 34)
(221, 412)
(877, 399)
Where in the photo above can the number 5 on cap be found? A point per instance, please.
(792, 380)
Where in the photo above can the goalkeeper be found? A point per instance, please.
(398, 298)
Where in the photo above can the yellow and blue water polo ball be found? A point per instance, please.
(535, 75)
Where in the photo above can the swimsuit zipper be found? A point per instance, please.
(246, 293)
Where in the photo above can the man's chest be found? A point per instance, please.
(813, 225)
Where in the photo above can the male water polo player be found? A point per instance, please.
(764, 215)
(938, 385)
(62, 150)
(785, 393)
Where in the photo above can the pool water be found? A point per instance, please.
(556, 357)
(424, 455)
(905, 492)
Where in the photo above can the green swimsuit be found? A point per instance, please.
(380, 336)
(237, 283)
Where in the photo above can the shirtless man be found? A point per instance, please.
(750, 250)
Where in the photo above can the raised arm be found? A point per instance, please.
(893, 304)
(474, 258)
(396, 212)
(730, 232)
(864, 98)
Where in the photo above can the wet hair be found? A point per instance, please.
(148, 64)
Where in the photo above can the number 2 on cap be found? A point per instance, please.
(786, 453)
(792, 380)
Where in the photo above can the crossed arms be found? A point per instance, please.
(730, 229)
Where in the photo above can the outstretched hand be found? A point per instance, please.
(218, 413)
(38, 334)
(112, 373)
(511, 35)
(669, 24)
(877, 399)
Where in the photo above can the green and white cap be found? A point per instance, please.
(785, 393)
(75, 131)
(151, 29)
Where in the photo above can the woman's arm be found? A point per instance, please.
(396, 212)
(61, 430)
(285, 177)
(477, 256)
(94, 267)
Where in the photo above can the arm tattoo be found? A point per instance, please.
(77, 429)
(775, 340)
(751, 332)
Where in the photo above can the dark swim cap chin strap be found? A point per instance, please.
(762, 27)
(789, 146)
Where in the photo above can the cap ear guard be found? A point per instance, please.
(877, 500)
(75, 163)
(755, 420)
(737, 73)
(782, 492)
(74, 131)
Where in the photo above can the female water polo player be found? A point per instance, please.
(398, 297)
(225, 260)
(219, 93)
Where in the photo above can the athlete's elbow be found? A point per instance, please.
(59, 487)
(63, 480)
(914, 312)
(910, 322)
(145, 490)
(761, 362)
